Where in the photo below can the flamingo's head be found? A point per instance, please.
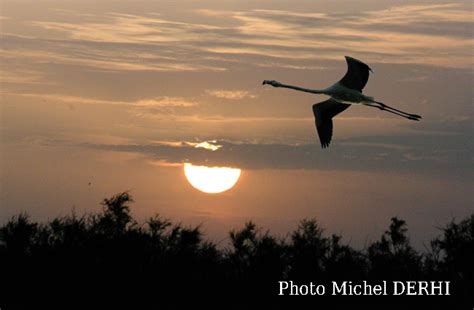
(272, 83)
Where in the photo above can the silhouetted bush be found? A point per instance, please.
(452, 255)
(111, 257)
(392, 257)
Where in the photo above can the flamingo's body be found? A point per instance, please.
(343, 93)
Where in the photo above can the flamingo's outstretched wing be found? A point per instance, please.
(323, 114)
(357, 74)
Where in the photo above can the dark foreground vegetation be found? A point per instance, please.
(110, 258)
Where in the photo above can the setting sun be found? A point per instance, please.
(211, 180)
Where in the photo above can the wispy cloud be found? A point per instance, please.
(230, 94)
(23, 77)
(304, 35)
(86, 55)
(414, 14)
(142, 103)
(128, 28)
(165, 102)
(404, 34)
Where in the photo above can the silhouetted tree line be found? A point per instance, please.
(109, 256)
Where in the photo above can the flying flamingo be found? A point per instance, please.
(343, 93)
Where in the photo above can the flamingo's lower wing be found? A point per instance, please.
(323, 114)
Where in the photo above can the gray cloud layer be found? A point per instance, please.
(449, 155)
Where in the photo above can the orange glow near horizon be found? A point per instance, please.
(211, 180)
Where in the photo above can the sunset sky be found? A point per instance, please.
(99, 97)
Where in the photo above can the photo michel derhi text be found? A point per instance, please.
(364, 288)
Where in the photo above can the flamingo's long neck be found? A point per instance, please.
(319, 91)
(307, 90)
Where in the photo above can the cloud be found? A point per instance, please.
(128, 28)
(312, 15)
(140, 103)
(414, 14)
(230, 94)
(106, 57)
(23, 77)
(114, 41)
(208, 145)
(396, 153)
(289, 34)
(165, 102)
